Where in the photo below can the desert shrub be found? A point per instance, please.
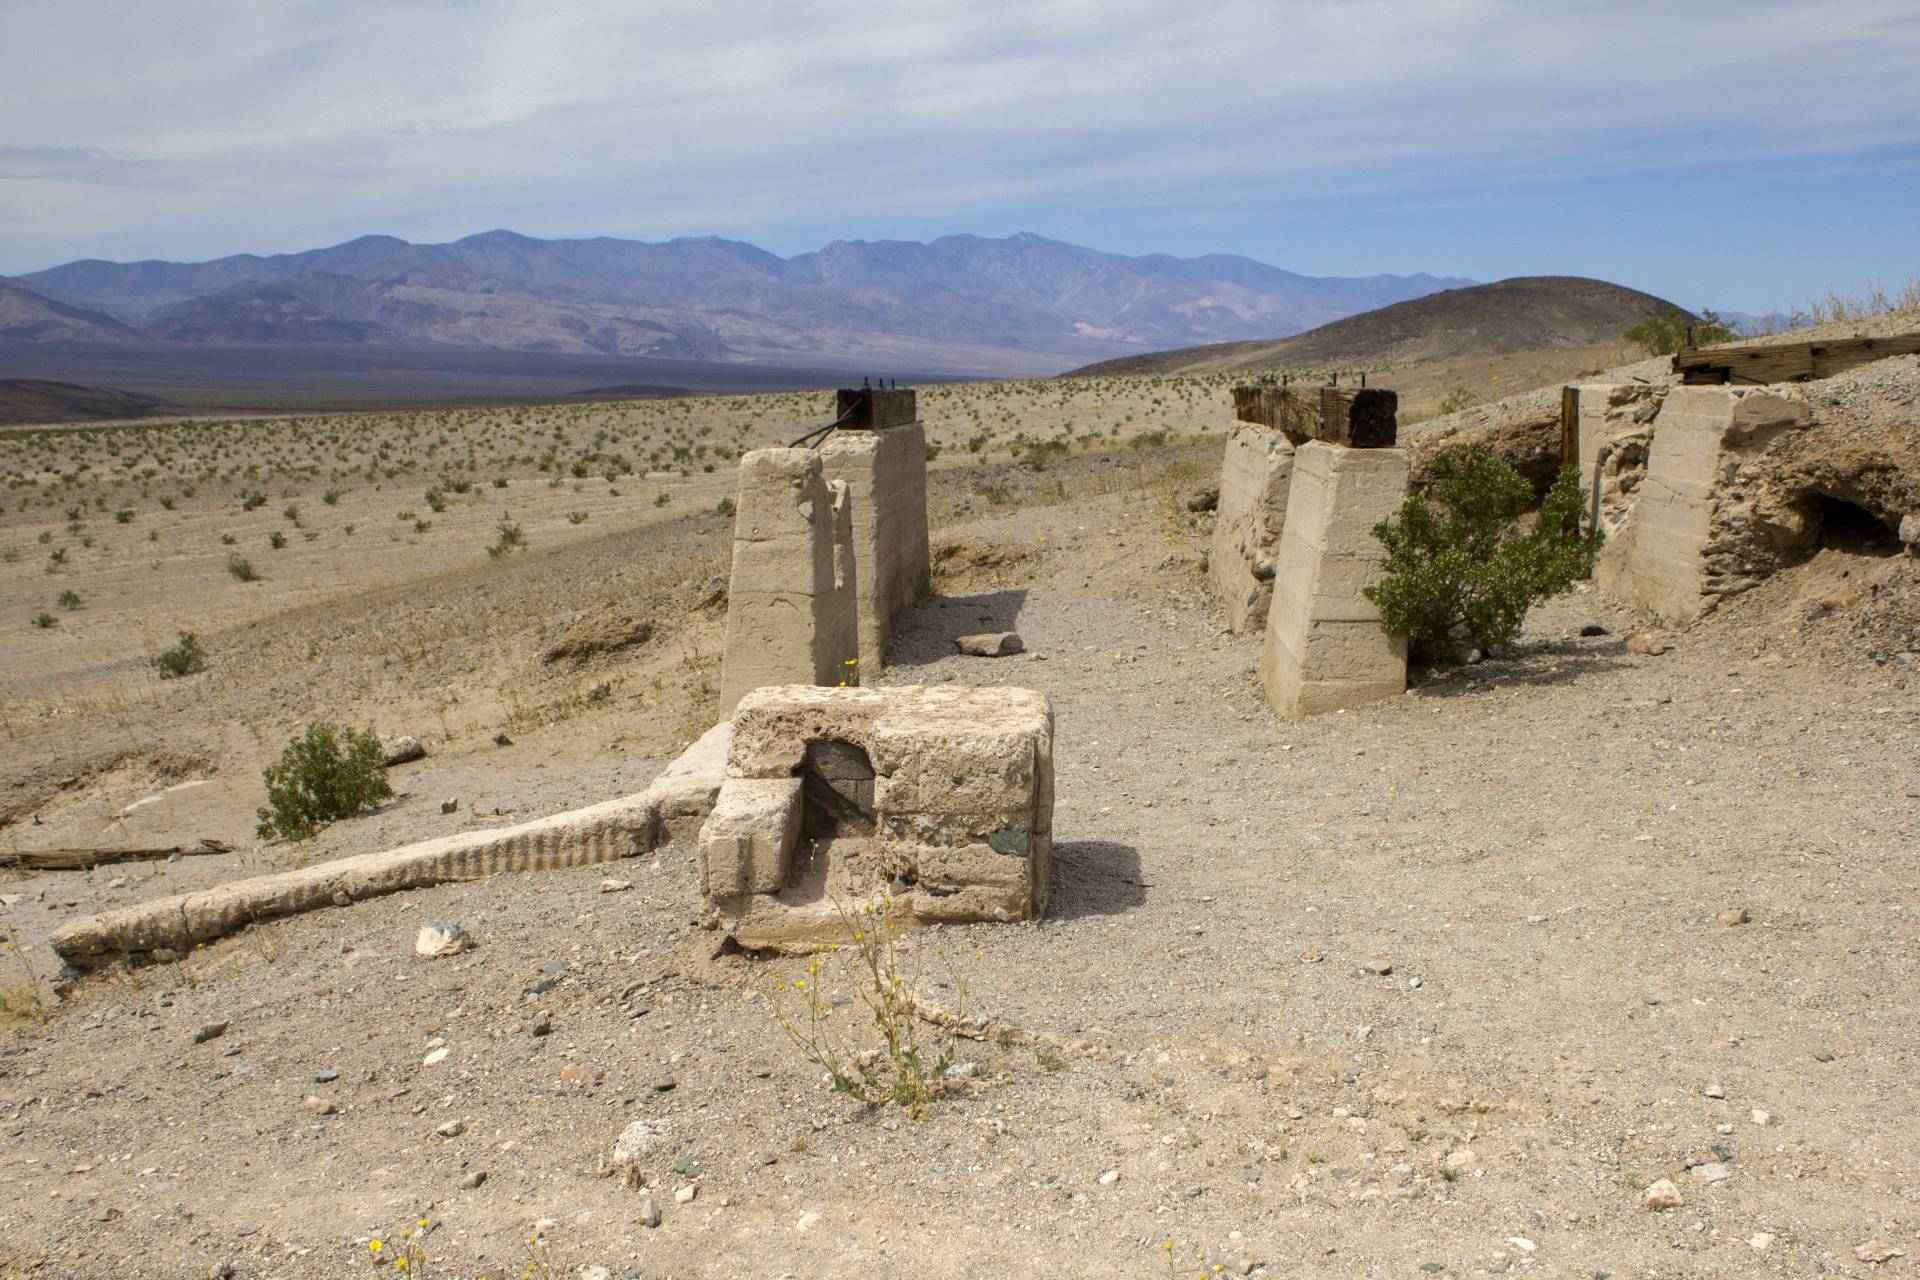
(324, 775)
(511, 536)
(69, 600)
(1036, 454)
(1457, 399)
(276, 540)
(576, 517)
(1460, 568)
(662, 498)
(1664, 335)
(183, 659)
(724, 507)
(253, 501)
(242, 568)
(44, 620)
(933, 451)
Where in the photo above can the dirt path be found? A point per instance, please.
(1541, 850)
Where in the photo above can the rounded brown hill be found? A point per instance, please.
(1522, 314)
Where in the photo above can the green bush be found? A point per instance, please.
(1460, 568)
(183, 659)
(327, 774)
(1664, 335)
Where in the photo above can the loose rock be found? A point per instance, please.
(440, 938)
(1664, 1195)
(211, 1031)
(990, 644)
(473, 1180)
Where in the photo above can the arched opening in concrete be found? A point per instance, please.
(836, 781)
(1846, 526)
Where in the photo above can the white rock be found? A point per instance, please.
(615, 886)
(1715, 1172)
(1664, 1195)
(807, 1222)
(1460, 1159)
(685, 1195)
(631, 1151)
(1760, 1239)
(1761, 1118)
(440, 938)
(1521, 1243)
(438, 1055)
(1110, 1177)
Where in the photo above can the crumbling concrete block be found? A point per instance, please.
(941, 796)
(791, 600)
(1359, 417)
(1325, 648)
(1614, 419)
(1254, 475)
(1692, 539)
(885, 473)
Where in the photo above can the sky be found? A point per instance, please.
(1744, 156)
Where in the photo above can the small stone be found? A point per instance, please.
(576, 1075)
(542, 1024)
(1760, 1240)
(220, 1271)
(649, 1212)
(1713, 1172)
(1110, 1177)
(1875, 1252)
(1733, 916)
(615, 886)
(450, 805)
(685, 1195)
(473, 1180)
(1594, 629)
(1232, 1264)
(403, 750)
(502, 740)
(1414, 983)
(211, 1031)
(1823, 1055)
(451, 1129)
(631, 1151)
(436, 1055)
(807, 1222)
(318, 1105)
(665, 1084)
(990, 644)
(1759, 1117)
(441, 938)
(325, 1077)
(1647, 643)
(1521, 1243)
(1664, 1195)
(1714, 1091)
(1461, 1159)
(1378, 968)
(594, 1273)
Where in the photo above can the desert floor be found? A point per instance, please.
(1436, 986)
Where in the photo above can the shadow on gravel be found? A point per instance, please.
(931, 628)
(1551, 663)
(1095, 878)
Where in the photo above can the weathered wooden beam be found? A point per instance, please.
(1788, 361)
(1361, 418)
(875, 408)
(83, 859)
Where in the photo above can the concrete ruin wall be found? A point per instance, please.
(791, 598)
(942, 797)
(1696, 534)
(1619, 414)
(885, 473)
(1252, 507)
(1325, 647)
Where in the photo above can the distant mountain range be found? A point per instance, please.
(961, 304)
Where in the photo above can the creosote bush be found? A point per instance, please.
(184, 659)
(1460, 568)
(326, 774)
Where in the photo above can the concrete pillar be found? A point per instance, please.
(1254, 475)
(790, 601)
(1325, 648)
(885, 472)
(1691, 504)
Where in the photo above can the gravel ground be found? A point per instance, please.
(1437, 986)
